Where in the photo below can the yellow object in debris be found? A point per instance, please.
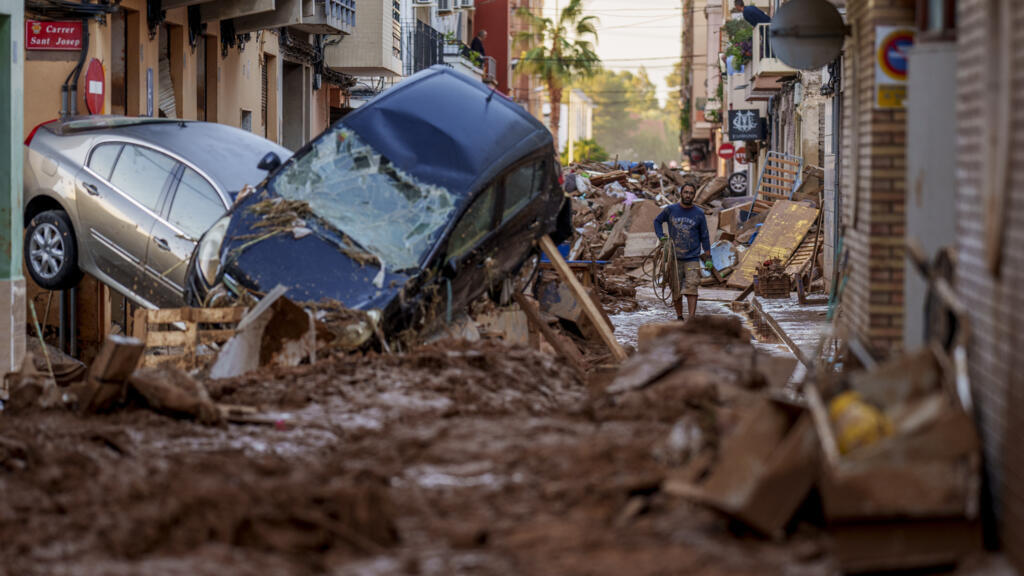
(856, 422)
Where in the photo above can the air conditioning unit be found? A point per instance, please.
(424, 2)
(445, 5)
(465, 3)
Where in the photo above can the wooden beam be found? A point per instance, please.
(105, 381)
(782, 334)
(589, 308)
(565, 349)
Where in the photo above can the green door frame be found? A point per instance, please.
(12, 58)
(12, 110)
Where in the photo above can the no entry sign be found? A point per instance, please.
(53, 35)
(94, 87)
(726, 150)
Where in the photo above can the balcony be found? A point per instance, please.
(764, 63)
(328, 16)
(311, 16)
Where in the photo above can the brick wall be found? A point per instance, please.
(996, 304)
(873, 298)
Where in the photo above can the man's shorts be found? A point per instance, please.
(689, 277)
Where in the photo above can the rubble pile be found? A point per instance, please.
(614, 212)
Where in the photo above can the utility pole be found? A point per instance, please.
(686, 78)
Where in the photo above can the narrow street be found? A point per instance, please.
(401, 287)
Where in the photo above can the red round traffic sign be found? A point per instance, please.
(741, 155)
(94, 87)
(726, 150)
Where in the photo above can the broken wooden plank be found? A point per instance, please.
(595, 316)
(109, 373)
(564, 348)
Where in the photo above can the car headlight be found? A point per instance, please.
(209, 250)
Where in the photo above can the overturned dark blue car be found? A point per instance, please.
(409, 207)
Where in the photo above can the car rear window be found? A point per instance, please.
(522, 184)
(102, 159)
(141, 173)
(196, 205)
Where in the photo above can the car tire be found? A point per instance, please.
(738, 184)
(51, 251)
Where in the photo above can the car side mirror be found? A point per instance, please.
(270, 162)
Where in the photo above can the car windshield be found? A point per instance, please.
(361, 193)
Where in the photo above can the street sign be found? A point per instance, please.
(741, 155)
(891, 46)
(94, 87)
(726, 150)
(53, 35)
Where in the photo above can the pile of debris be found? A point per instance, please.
(614, 211)
(885, 459)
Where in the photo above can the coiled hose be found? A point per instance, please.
(664, 271)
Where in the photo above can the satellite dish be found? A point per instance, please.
(807, 34)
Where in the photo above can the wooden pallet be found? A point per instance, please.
(780, 177)
(803, 254)
(173, 336)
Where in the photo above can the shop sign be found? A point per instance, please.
(746, 125)
(41, 35)
(892, 43)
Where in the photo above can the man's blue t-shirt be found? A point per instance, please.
(688, 229)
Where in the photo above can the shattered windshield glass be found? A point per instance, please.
(356, 189)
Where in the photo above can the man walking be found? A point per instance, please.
(688, 232)
(752, 14)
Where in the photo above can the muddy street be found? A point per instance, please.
(451, 459)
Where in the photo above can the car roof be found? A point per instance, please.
(448, 129)
(201, 143)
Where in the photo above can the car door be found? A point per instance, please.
(194, 205)
(521, 214)
(470, 245)
(118, 196)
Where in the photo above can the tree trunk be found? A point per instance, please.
(555, 97)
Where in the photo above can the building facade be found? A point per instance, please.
(989, 244)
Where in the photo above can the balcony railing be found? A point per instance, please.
(490, 66)
(764, 62)
(423, 47)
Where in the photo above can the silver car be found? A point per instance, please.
(126, 199)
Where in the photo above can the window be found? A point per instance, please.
(521, 185)
(196, 205)
(141, 173)
(102, 159)
(246, 120)
(936, 19)
(474, 225)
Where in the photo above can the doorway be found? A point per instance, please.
(295, 106)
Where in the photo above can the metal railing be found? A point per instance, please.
(490, 68)
(422, 47)
(764, 60)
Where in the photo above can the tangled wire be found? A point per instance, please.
(664, 272)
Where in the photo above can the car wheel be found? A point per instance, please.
(738, 183)
(51, 251)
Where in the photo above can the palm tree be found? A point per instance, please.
(558, 51)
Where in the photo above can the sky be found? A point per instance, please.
(635, 33)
